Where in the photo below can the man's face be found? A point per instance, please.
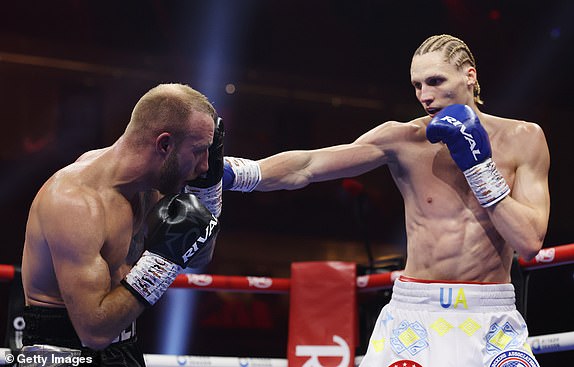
(188, 161)
(439, 83)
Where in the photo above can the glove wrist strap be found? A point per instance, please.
(487, 183)
(247, 174)
(150, 277)
(211, 197)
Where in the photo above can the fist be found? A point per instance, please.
(460, 129)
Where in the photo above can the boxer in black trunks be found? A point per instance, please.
(95, 253)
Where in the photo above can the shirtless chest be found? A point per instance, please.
(124, 243)
(430, 180)
(122, 246)
(449, 235)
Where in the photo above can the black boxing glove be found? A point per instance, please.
(179, 228)
(208, 187)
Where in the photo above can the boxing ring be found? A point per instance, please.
(540, 344)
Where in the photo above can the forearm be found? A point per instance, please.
(298, 168)
(107, 319)
(284, 171)
(522, 227)
(113, 316)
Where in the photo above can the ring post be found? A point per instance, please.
(322, 314)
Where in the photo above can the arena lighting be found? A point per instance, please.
(217, 30)
(174, 318)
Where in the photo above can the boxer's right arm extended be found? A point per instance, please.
(179, 227)
(295, 169)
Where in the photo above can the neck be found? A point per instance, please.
(130, 169)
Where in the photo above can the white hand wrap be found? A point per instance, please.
(247, 173)
(487, 183)
(151, 276)
(211, 197)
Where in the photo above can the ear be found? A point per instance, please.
(471, 77)
(164, 143)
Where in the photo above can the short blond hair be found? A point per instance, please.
(166, 108)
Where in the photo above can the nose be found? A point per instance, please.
(426, 97)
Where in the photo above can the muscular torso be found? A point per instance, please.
(449, 235)
(123, 218)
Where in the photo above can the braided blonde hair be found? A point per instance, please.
(455, 51)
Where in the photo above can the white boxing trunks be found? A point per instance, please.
(443, 324)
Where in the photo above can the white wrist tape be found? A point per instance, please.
(211, 197)
(151, 276)
(487, 183)
(247, 173)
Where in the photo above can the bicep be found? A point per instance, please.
(74, 225)
(296, 169)
(75, 235)
(531, 179)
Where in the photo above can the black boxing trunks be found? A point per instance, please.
(49, 334)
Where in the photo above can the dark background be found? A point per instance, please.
(284, 75)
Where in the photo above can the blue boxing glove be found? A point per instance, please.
(459, 128)
(240, 174)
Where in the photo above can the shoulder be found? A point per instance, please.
(394, 132)
(510, 125)
(514, 135)
(66, 188)
(91, 154)
(519, 130)
(531, 135)
(69, 212)
(529, 130)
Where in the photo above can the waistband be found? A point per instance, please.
(426, 295)
(52, 326)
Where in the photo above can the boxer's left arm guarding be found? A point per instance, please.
(74, 226)
(522, 217)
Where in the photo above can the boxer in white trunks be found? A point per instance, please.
(475, 191)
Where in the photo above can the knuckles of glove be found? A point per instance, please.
(460, 129)
(179, 227)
